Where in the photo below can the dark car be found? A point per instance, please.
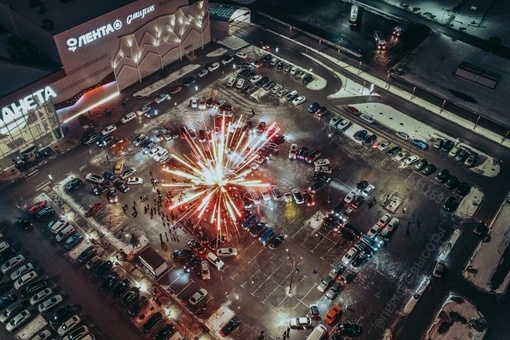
(302, 153)
(182, 253)
(312, 156)
(195, 260)
(350, 232)
(152, 321)
(8, 299)
(100, 188)
(23, 223)
(349, 329)
(447, 146)
(337, 210)
(87, 253)
(175, 89)
(72, 240)
(102, 269)
(317, 186)
(216, 242)
(111, 195)
(196, 246)
(360, 135)
(420, 144)
(73, 184)
(230, 326)
(33, 287)
(188, 81)
(60, 315)
(122, 287)
(138, 306)
(104, 141)
(429, 169)
(89, 138)
(421, 164)
(121, 186)
(257, 229)
(481, 229)
(5, 287)
(450, 204)
(109, 280)
(7, 254)
(394, 150)
(463, 189)
(369, 140)
(443, 176)
(452, 183)
(359, 260)
(275, 242)
(313, 107)
(164, 332)
(45, 214)
(320, 176)
(130, 296)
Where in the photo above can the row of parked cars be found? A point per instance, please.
(34, 296)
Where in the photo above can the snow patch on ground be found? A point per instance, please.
(457, 319)
(489, 168)
(218, 319)
(488, 255)
(216, 53)
(147, 91)
(469, 204)
(233, 42)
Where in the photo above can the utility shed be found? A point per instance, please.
(154, 262)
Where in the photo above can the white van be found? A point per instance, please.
(317, 333)
(215, 260)
(64, 233)
(176, 336)
(58, 226)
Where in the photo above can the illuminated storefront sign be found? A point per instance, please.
(139, 14)
(13, 111)
(84, 39)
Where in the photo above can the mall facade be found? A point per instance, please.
(83, 48)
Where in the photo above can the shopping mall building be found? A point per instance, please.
(55, 51)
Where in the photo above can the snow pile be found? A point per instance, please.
(457, 319)
(315, 221)
(490, 168)
(147, 91)
(219, 319)
(233, 42)
(216, 53)
(489, 255)
(469, 204)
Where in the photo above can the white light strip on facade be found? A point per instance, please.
(92, 106)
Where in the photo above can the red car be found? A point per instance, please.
(175, 89)
(352, 109)
(93, 209)
(35, 207)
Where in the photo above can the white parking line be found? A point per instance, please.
(269, 277)
(252, 275)
(42, 185)
(304, 296)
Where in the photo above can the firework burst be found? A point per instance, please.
(213, 175)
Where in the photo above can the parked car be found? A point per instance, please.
(197, 297)
(230, 326)
(333, 314)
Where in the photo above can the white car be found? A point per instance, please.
(94, 178)
(127, 173)
(321, 162)
(50, 303)
(4, 246)
(400, 156)
(26, 278)
(241, 55)
(402, 135)
(344, 216)
(350, 255)
(344, 123)
(18, 320)
(277, 194)
(303, 323)
(384, 145)
(293, 151)
(109, 129)
(40, 296)
(334, 121)
(213, 67)
(411, 160)
(12, 263)
(255, 78)
(227, 59)
(299, 100)
(350, 197)
(326, 169)
(69, 324)
(384, 220)
(202, 73)
(144, 109)
(266, 193)
(193, 102)
(134, 180)
(231, 81)
(287, 197)
(162, 97)
(21, 271)
(127, 118)
(197, 297)
(298, 196)
(226, 252)
(162, 152)
(205, 272)
(374, 230)
(240, 83)
(368, 190)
